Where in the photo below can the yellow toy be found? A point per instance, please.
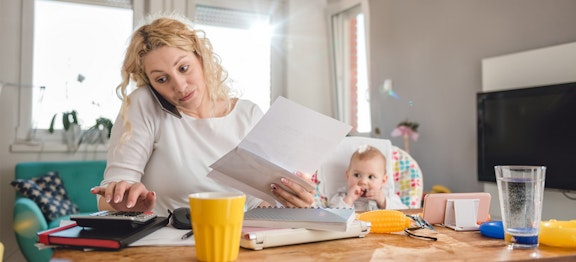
(385, 221)
(440, 189)
(558, 233)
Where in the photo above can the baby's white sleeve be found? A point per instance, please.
(393, 202)
(337, 200)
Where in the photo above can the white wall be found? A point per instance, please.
(544, 66)
(551, 65)
(307, 73)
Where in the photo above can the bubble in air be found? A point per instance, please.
(387, 89)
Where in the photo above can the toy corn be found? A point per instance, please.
(385, 221)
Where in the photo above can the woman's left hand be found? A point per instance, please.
(300, 196)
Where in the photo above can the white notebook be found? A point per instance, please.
(335, 219)
(258, 238)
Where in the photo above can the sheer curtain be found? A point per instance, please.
(350, 78)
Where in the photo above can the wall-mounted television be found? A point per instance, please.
(529, 126)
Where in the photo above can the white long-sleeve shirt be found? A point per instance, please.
(170, 155)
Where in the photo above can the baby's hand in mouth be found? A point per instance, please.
(364, 191)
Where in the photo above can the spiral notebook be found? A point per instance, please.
(258, 238)
(334, 219)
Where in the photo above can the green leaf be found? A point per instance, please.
(66, 120)
(51, 128)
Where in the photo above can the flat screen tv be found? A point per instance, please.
(529, 126)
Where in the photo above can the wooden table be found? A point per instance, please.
(451, 246)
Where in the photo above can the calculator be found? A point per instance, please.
(114, 219)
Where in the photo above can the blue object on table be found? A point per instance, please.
(493, 229)
(524, 236)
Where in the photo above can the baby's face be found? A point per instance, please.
(369, 174)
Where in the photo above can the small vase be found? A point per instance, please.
(72, 137)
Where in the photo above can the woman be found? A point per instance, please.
(180, 119)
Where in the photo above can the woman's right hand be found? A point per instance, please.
(125, 196)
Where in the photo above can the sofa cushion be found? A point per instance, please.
(49, 193)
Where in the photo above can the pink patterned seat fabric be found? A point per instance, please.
(407, 176)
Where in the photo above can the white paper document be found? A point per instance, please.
(288, 138)
(165, 236)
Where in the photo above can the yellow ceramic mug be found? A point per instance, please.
(217, 224)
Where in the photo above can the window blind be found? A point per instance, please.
(222, 17)
(110, 3)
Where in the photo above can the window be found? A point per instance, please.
(350, 66)
(76, 62)
(242, 40)
(94, 35)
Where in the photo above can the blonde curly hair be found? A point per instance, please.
(173, 31)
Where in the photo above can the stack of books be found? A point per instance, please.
(271, 227)
(335, 219)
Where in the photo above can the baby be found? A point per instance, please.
(366, 177)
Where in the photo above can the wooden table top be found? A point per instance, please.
(451, 246)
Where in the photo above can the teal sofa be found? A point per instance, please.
(78, 177)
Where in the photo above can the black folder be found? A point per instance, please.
(98, 238)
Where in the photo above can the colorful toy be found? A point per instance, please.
(385, 220)
(558, 233)
(552, 232)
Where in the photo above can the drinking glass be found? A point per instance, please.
(521, 191)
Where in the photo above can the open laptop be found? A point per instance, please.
(258, 238)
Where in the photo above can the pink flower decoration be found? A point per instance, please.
(404, 130)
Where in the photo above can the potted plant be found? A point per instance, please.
(72, 131)
(68, 119)
(105, 124)
(99, 132)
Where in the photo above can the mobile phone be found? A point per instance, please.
(113, 219)
(435, 205)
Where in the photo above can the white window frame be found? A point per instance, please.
(24, 123)
(339, 75)
(25, 131)
(22, 142)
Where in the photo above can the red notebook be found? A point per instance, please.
(86, 237)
